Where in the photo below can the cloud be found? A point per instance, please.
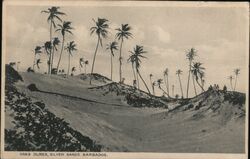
(163, 35)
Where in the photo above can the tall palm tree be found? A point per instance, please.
(71, 46)
(137, 54)
(236, 72)
(165, 75)
(123, 32)
(17, 66)
(38, 50)
(195, 91)
(132, 60)
(197, 70)
(179, 72)
(64, 28)
(152, 84)
(101, 31)
(173, 90)
(55, 43)
(54, 14)
(81, 61)
(112, 46)
(85, 64)
(47, 49)
(190, 56)
(231, 81)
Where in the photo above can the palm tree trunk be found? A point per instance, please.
(93, 64)
(165, 82)
(137, 81)
(48, 63)
(133, 71)
(34, 61)
(50, 53)
(188, 77)
(152, 85)
(168, 86)
(85, 68)
(231, 84)
(52, 59)
(194, 86)
(111, 67)
(120, 60)
(80, 67)
(57, 68)
(68, 64)
(173, 91)
(200, 85)
(235, 82)
(180, 85)
(143, 81)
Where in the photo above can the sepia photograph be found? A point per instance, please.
(124, 79)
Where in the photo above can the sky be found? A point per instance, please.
(219, 34)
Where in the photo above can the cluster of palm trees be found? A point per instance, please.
(82, 63)
(101, 30)
(56, 24)
(231, 78)
(195, 70)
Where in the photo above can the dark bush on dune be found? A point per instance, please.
(30, 70)
(134, 97)
(32, 87)
(11, 75)
(235, 98)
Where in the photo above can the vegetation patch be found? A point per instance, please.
(37, 129)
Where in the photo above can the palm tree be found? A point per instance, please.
(47, 48)
(179, 72)
(112, 46)
(165, 74)
(38, 50)
(64, 28)
(123, 32)
(38, 61)
(101, 31)
(73, 70)
(71, 46)
(17, 66)
(173, 90)
(81, 61)
(55, 43)
(202, 76)
(231, 81)
(236, 72)
(136, 55)
(195, 92)
(152, 84)
(190, 56)
(198, 72)
(54, 13)
(159, 82)
(132, 60)
(85, 64)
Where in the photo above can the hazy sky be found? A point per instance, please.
(219, 34)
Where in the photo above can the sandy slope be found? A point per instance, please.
(121, 127)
